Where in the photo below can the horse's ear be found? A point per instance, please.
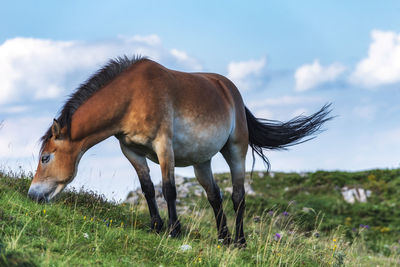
(56, 129)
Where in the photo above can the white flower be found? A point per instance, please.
(185, 247)
(85, 235)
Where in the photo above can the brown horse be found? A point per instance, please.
(172, 118)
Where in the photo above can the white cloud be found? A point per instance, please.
(242, 73)
(39, 68)
(312, 75)
(382, 66)
(19, 137)
(182, 57)
(283, 100)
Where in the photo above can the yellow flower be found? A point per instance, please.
(84, 217)
(199, 260)
(122, 224)
(334, 240)
(44, 211)
(110, 222)
(385, 229)
(334, 247)
(91, 219)
(218, 246)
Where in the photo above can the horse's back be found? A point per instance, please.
(200, 109)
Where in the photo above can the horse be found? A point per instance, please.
(172, 118)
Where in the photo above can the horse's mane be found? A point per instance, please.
(98, 80)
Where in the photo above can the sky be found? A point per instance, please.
(287, 58)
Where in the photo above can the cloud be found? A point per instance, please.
(19, 136)
(382, 66)
(282, 107)
(245, 73)
(283, 100)
(36, 69)
(312, 75)
(183, 58)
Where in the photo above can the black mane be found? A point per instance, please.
(98, 80)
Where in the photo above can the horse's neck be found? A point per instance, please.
(98, 118)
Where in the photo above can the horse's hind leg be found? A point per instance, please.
(235, 155)
(143, 172)
(205, 177)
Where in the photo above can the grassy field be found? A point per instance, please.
(293, 220)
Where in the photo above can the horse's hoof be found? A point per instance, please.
(156, 224)
(175, 229)
(240, 243)
(227, 241)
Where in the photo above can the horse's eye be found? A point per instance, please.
(45, 158)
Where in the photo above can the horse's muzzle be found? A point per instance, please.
(39, 193)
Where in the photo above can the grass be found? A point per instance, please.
(82, 229)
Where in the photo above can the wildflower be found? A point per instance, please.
(44, 211)
(26, 214)
(277, 237)
(334, 240)
(385, 229)
(365, 226)
(334, 247)
(91, 219)
(270, 213)
(85, 235)
(285, 213)
(222, 240)
(306, 210)
(122, 224)
(199, 260)
(110, 222)
(218, 246)
(185, 247)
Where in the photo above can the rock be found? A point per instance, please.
(352, 195)
(185, 247)
(247, 188)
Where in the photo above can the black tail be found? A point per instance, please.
(271, 134)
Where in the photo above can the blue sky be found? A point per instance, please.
(286, 57)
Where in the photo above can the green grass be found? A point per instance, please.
(82, 229)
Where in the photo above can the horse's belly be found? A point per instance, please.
(197, 143)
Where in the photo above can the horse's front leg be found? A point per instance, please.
(143, 172)
(165, 154)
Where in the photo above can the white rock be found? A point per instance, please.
(352, 195)
(185, 247)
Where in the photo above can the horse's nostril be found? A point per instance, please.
(38, 197)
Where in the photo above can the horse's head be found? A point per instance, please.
(57, 165)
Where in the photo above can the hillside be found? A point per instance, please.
(292, 220)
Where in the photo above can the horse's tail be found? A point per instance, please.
(272, 134)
